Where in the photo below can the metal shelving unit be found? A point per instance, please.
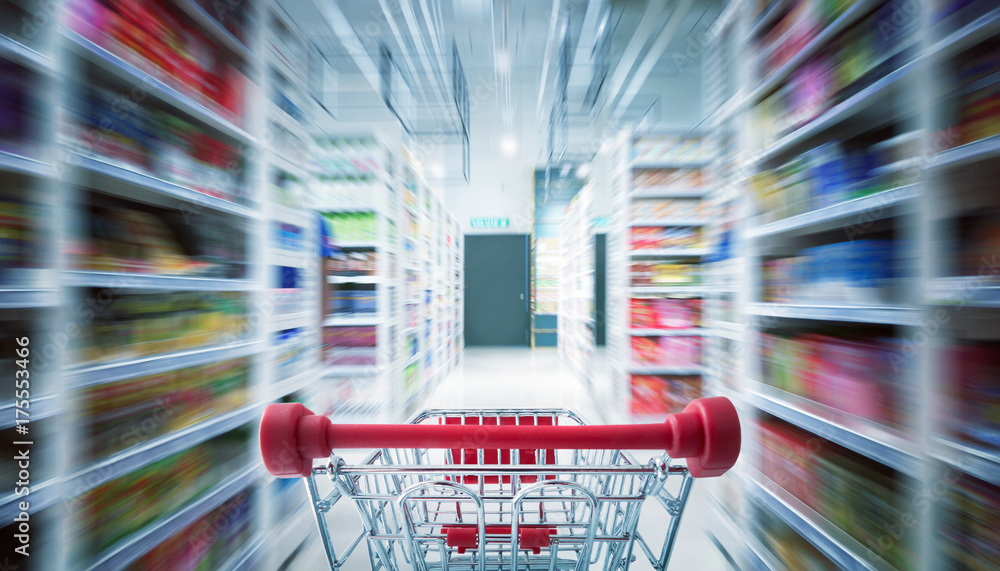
(576, 285)
(71, 67)
(842, 549)
(875, 206)
(975, 460)
(415, 282)
(155, 87)
(126, 182)
(157, 449)
(643, 195)
(918, 203)
(892, 315)
(133, 547)
(91, 374)
(867, 438)
(134, 281)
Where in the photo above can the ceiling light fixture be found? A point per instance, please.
(503, 60)
(508, 145)
(436, 170)
(583, 170)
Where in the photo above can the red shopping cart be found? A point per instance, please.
(473, 490)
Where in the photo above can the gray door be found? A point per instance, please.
(496, 290)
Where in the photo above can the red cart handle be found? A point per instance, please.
(707, 433)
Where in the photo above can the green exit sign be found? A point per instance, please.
(490, 222)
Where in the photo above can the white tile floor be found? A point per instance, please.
(520, 377)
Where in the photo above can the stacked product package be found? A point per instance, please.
(671, 208)
(831, 174)
(127, 413)
(856, 494)
(674, 351)
(156, 143)
(865, 53)
(657, 274)
(663, 313)
(151, 35)
(663, 394)
(662, 238)
(861, 272)
(868, 378)
(136, 325)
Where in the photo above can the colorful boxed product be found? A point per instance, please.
(974, 415)
(349, 336)
(860, 496)
(127, 413)
(677, 313)
(353, 226)
(155, 142)
(208, 543)
(642, 314)
(661, 395)
(676, 178)
(680, 351)
(659, 237)
(662, 313)
(882, 41)
(112, 511)
(647, 350)
(787, 457)
(861, 272)
(135, 325)
(18, 239)
(977, 88)
(863, 377)
(969, 532)
(657, 274)
(154, 37)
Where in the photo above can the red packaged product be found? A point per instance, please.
(646, 350)
(850, 383)
(643, 316)
(787, 458)
(661, 395)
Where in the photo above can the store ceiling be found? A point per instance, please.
(510, 51)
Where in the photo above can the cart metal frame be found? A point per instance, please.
(428, 509)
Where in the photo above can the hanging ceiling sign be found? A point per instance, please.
(491, 222)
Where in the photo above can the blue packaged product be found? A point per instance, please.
(873, 263)
(827, 170)
(840, 270)
(860, 165)
(862, 255)
(805, 270)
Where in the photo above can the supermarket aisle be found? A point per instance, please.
(498, 377)
(521, 377)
